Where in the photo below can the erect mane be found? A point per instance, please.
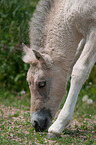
(38, 22)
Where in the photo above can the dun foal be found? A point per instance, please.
(62, 44)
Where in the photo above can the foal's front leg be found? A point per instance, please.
(79, 75)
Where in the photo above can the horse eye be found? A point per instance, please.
(42, 84)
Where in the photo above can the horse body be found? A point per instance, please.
(56, 29)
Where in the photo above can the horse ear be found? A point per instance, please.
(25, 48)
(39, 56)
(32, 56)
(29, 56)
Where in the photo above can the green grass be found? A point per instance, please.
(14, 18)
(15, 126)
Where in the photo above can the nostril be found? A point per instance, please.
(40, 124)
(35, 124)
(41, 119)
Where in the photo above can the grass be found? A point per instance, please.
(14, 17)
(15, 126)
